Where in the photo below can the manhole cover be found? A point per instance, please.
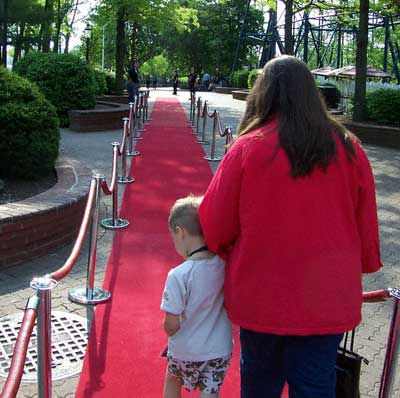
(69, 339)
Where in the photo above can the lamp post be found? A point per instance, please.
(102, 47)
(88, 31)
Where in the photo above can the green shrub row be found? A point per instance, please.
(65, 80)
(239, 79)
(383, 106)
(253, 77)
(29, 130)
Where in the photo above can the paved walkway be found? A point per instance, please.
(94, 151)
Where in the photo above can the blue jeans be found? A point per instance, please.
(306, 363)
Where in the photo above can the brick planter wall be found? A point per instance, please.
(109, 118)
(118, 99)
(38, 225)
(226, 90)
(374, 134)
(240, 95)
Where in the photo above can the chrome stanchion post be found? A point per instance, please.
(134, 128)
(143, 108)
(147, 104)
(124, 179)
(138, 125)
(212, 156)
(43, 286)
(196, 130)
(115, 222)
(194, 109)
(89, 294)
(129, 128)
(191, 119)
(203, 140)
(228, 131)
(390, 367)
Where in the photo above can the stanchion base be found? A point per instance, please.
(79, 295)
(108, 223)
(203, 142)
(125, 180)
(214, 159)
(133, 153)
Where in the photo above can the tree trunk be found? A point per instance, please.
(58, 28)
(66, 48)
(18, 43)
(360, 104)
(45, 29)
(289, 39)
(120, 51)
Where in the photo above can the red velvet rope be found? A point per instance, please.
(14, 377)
(108, 190)
(71, 260)
(375, 296)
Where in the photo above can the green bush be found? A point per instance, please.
(65, 80)
(383, 106)
(29, 131)
(183, 82)
(110, 82)
(253, 77)
(239, 78)
(100, 81)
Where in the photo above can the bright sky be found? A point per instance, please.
(79, 27)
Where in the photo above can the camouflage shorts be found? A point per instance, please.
(207, 375)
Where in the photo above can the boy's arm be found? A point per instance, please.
(171, 323)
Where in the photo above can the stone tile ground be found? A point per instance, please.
(94, 151)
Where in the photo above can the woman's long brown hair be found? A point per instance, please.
(286, 89)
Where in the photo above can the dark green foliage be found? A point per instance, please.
(240, 79)
(29, 131)
(110, 82)
(253, 77)
(183, 82)
(65, 80)
(100, 81)
(384, 106)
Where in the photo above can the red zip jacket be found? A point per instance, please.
(295, 248)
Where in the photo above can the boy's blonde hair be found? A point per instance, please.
(184, 213)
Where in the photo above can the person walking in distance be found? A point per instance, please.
(175, 82)
(192, 80)
(292, 209)
(200, 334)
(133, 82)
(155, 80)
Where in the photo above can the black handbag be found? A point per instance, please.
(348, 368)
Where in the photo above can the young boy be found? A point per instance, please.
(200, 334)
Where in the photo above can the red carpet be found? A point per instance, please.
(123, 354)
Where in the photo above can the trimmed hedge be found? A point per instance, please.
(65, 80)
(100, 81)
(29, 130)
(383, 106)
(110, 82)
(240, 78)
(253, 77)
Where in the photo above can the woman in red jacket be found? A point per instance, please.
(292, 209)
